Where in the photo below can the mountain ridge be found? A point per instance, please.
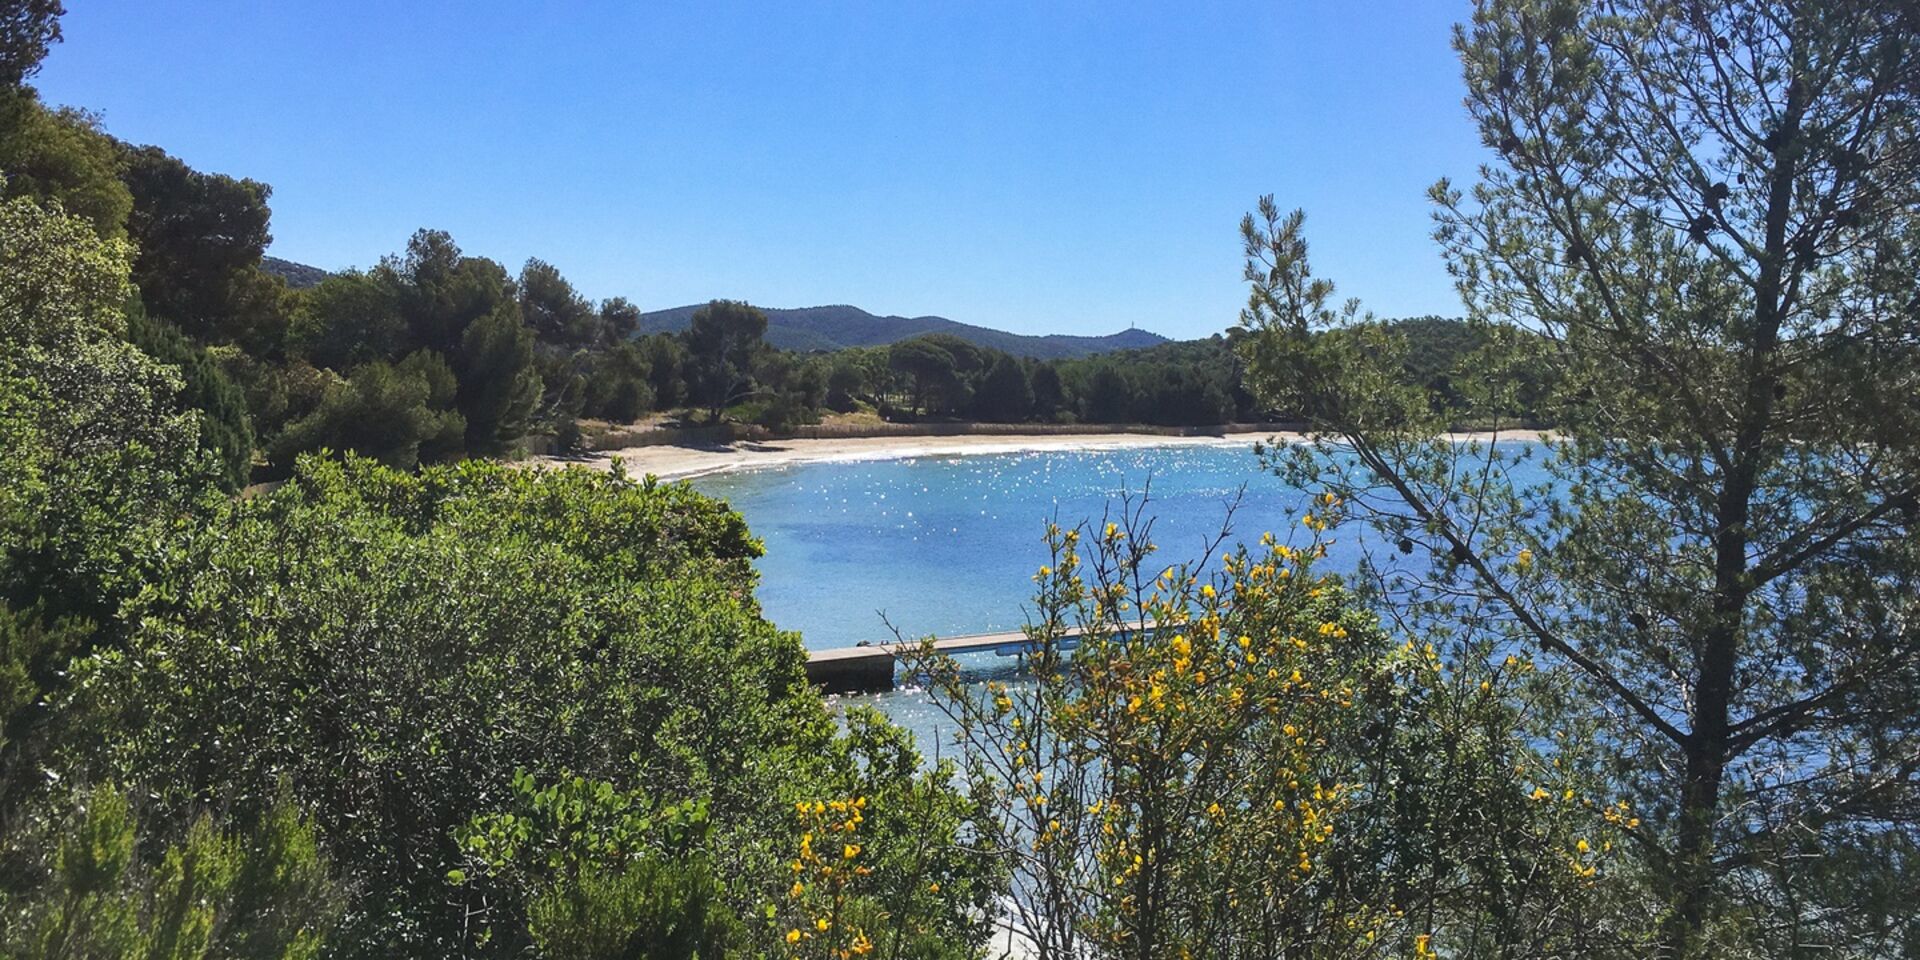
(839, 326)
(299, 276)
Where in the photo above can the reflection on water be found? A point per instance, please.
(948, 545)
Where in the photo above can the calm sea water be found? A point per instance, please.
(948, 545)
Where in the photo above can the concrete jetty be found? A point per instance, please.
(869, 669)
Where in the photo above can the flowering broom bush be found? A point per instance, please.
(1235, 760)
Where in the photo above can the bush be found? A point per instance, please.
(210, 894)
(226, 430)
(1258, 771)
(392, 414)
(397, 646)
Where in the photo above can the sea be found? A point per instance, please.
(945, 545)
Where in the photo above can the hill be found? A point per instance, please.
(299, 276)
(840, 326)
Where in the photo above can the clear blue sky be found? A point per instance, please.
(1054, 166)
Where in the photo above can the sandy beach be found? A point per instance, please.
(676, 462)
(680, 462)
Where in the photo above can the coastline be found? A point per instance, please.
(692, 460)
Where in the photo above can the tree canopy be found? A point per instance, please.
(1702, 230)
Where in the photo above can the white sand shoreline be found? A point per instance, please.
(672, 462)
(677, 462)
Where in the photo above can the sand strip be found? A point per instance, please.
(681, 462)
(673, 462)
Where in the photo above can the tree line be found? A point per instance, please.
(434, 354)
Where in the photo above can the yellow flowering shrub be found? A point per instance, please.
(1234, 759)
(827, 870)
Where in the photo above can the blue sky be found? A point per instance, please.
(1055, 166)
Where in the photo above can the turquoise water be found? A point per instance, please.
(948, 545)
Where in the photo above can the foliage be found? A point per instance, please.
(1703, 229)
(498, 383)
(666, 358)
(597, 866)
(602, 872)
(649, 910)
(1249, 767)
(395, 645)
(97, 464)
(442, 291)
(62, 155)
(721, 343)
(401, 416)
(556, 311)
(225, 430)
(619, 386)
(211, 894)
(1006, 393)
(346, 320)
(27, 29)
(198, 240)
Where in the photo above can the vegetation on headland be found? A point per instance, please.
(462, 710)
(339, 713)
(407, 708)
(434, 354)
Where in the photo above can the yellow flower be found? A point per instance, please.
(1582, 846)
(822, 925)
(798, 889)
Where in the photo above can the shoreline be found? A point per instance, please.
(692, 460)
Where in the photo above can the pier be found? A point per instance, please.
(869, 669)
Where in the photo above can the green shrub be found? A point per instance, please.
(397, 645)
(258, 894)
